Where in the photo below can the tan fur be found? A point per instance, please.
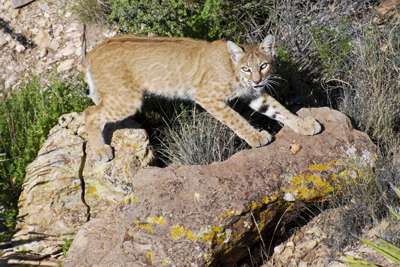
(122, 68)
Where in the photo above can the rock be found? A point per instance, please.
(54, 45)
(42, 22)
(45, 7)
(42, 40)
(387, 8)
(9, 82)
(58, 31)
(308, 245)
(3, 41)
(51, 61)
(43, 53)
(66, 65)
(20, 48)
(279, 249)
(209, 215)
(68, 51)
(51, 205)
(6, 17)
(14, 14)
(286, 254)
(20, 3)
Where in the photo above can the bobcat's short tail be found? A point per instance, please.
(88, 77)
(92, 89)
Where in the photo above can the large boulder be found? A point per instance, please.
(52, 206)
(210, 215)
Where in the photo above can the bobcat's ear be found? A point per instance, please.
(235, 50)
(268, 45)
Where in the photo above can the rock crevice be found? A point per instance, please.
(80, 175)
(65, 187)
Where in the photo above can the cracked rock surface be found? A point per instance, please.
(51, 203)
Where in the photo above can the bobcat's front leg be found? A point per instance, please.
(222, 112)
(268, 106)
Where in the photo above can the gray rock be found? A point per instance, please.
(66, 65)
(42, 40)
(3, 41)
(20, 48)
(45, 7)
(51, 204)
(68, 51)
(10, 81)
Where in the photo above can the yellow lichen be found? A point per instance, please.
(156, 220)
(300, 189)
(178, 231)
(143, 225)
(150, 256)
(319, 167)
(190, 236)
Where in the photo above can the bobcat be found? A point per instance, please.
(122, 68)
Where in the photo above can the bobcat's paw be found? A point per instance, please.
(309, 126)
(103, 153)
(261, 139)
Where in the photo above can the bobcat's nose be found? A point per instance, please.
(257, 82)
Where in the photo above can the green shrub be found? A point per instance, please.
(333, 46)
(66, 245)
(26, 117)
(204, 19)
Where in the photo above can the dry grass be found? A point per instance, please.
(196, 138)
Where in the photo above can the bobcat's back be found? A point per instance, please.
(166, 66)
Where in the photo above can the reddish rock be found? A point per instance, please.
(388, 8)
(209, 215)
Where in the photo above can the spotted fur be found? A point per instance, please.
(122, 68)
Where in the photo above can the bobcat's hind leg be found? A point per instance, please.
(97, 116)
(268, 106)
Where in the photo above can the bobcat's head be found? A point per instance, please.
(255, 64)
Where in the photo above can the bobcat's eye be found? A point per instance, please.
(263, 66)
(246, 69)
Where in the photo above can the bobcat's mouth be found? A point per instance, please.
(258, 87)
